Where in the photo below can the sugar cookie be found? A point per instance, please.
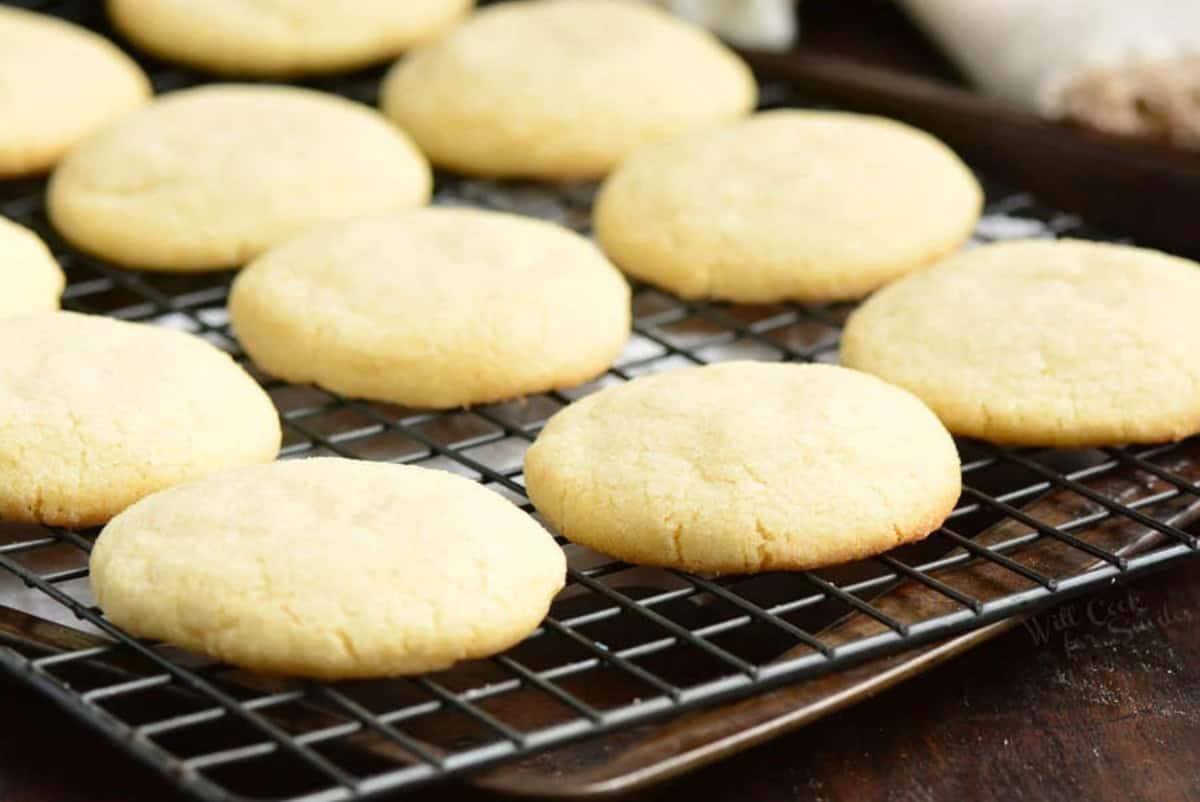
(59, 83)
(96, 413)
(329, 568)
(208, 178)
(563, 89)
(30, 280)
(788, 205)
(435, 308)
(743, 467)
(1042, 342)
(282, 37)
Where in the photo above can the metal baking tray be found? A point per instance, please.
(581, 707)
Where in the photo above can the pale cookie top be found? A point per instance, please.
(743, 467)
(30, 279)
(282, 37)
(329, 568)
(95, 413)
(788, 205)
(1039, 342)
(207, 178)
(59, 83)
(436, 307)
(563, 89)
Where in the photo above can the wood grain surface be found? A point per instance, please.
(1098, 699)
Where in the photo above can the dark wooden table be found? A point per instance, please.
(1096, 700)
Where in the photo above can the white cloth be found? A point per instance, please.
(757, 24)
(1027, 51)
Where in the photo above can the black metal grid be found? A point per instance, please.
(622, 644)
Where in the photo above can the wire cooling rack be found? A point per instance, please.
(622, 644)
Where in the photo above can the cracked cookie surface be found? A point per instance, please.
(743, 467)
(435, 307)
(787, 205)
(1043, 343)
(207, 178)
(96, 413)
(563, 89)
(329, 568)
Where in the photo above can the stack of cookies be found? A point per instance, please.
(335, 568)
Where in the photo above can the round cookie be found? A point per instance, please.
(282, 37)
(1043, 342)
(439, 307)
(30, 280)
(743, 467)
(787, 205)
(207, 178)
(563, 89)
(96, 413)
(59, 83)
(329, 568)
